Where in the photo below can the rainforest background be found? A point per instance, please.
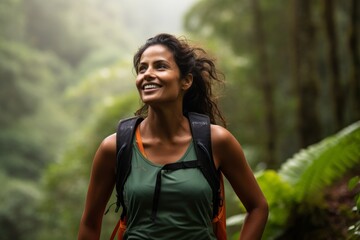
(292, 99)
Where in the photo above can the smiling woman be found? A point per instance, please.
(193, 65)
(173, 80)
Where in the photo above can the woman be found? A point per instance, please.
(172, 79)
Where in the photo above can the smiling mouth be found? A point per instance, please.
(150, 86)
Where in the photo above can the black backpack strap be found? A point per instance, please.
(168, 167)
(124, 139)
(200, 128)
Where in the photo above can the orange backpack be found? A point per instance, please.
(200, 128)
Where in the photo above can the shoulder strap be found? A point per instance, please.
(200, 129)
(124, 139)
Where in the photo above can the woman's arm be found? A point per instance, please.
(101, 185)
(229, 157)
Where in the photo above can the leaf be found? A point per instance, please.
(316, 167)
(353, 182)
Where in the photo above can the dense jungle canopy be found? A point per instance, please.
(292, 99)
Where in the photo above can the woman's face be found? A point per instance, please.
(158, 77)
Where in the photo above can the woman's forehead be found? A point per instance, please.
(157, 52)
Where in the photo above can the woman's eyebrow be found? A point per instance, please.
(161, 61)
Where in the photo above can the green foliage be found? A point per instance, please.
(19, 156)
(219, 19)
(30, 125)
(296, 190)
(21, 72)
(280, 197)
(104, 57)
(302, 180)
(27, 76)
(316, 167)
(98, 88)
(18, 212)
(28, 81)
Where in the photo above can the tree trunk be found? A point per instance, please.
(355, 61)
(336, 86)
(306, 86)
(266, 83)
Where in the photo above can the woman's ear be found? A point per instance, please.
(187, 82)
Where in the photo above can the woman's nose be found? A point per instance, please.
(149, 73)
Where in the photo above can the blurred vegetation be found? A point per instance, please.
(300, 193)
(292, 99)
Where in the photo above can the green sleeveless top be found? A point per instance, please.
(185, 201)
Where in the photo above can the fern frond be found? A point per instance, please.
(319, 165)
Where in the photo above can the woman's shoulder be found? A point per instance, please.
(104, 159)
(226, 148)
(219, 134)
(223, 140)
(108, 144)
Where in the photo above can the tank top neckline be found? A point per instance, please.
(141, 150)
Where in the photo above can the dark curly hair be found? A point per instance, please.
(199, 98)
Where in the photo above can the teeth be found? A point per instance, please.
(150, 86)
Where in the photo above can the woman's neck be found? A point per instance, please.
(164, 124)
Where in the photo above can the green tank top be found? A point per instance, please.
(185, 201)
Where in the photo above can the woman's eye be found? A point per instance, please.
(141, 69)
(162, 66)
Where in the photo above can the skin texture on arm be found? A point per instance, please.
(102, 181)
(229, 157)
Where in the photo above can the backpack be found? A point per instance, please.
(200, 130)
